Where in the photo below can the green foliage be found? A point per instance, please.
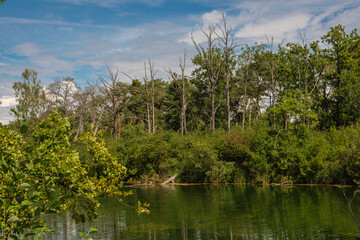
(198, 162)
(144, 156)
(44, 175)
(103, 170)
(295, 107)
(259, 154)
(29, 95)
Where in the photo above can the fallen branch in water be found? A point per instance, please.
(170, 180)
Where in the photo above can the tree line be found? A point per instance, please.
(232, 85)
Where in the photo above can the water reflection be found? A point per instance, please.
(222, 212)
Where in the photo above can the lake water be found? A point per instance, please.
(223, 212)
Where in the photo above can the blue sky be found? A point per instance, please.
(79, 38)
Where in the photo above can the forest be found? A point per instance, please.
(261, 113)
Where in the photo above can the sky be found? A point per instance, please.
(80, 38)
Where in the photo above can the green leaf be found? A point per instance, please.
(82, 234)
(15, 112)
(24, 185)
(36, 193)
(26, 203)
(24, 127)
(11, 207)
(93, 230)
(29, 166)
(13, 219)
(30, 234)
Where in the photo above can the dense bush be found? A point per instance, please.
(259, 154)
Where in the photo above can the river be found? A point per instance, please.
(222, 212)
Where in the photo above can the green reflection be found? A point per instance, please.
(223, 212)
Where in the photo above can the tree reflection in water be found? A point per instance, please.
(222, 212)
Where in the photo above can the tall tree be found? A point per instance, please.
(228, 45)
(152, 77)
(29, 94)
(147, 98)
(61, 93)
(271, 64)
(344, 55)
(210, 62)
(114, 93)
(181, 83)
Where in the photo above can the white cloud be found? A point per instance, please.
(111, 3)
(66, 29)
(5, 116)
(211, 18)
(27, 49)
(277, 28)
(253, 20)
(7, 101)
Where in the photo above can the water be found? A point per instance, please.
(222, 212)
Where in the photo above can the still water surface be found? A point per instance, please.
(223, 212)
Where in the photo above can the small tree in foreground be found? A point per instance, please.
(44, 175)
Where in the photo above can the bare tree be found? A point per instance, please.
(149, 93)
(113, 91)
(271, 63)
(181, 82)
(82, 99)
(90, 105)
(61, 93)
(146, 82)
(152, 77)
(212, 65)
(228, 44)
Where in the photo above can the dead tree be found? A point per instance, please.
(152, 77)
(228, 44)
(146, 83)
(212, 65)
(113, 93)
(149, 93)
(181, 82)
(61, 94)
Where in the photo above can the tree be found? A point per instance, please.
(45, 175)
(152, 78)
(31, 172)
(29, 94)
(271, 64)
(181, 83)
(228, 45)
(210, 62)
(245, 61)
(293, 106)
(61, 95)
(343, 74)
(114, 93)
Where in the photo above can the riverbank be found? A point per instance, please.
(254, 155)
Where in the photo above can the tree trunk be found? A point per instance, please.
(147, 100)
(212, 117)
(250, 113)
(228, 104)
(245, 100)
(80, 127)
(153, 104)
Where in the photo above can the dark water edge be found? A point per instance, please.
(222, 212)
